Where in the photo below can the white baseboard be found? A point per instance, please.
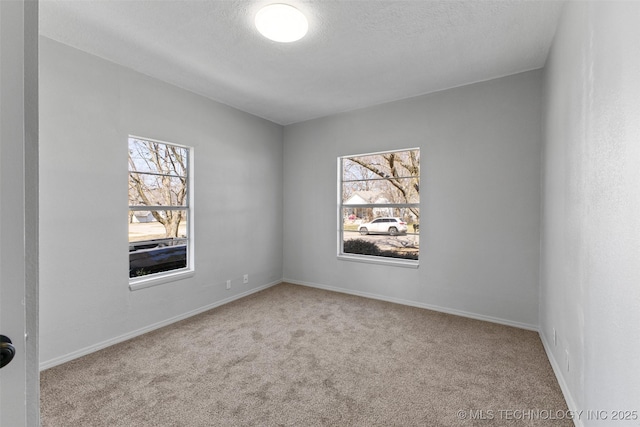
(104, 344)
(418, 304)
(568, 397)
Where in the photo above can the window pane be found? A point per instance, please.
(392, 238)
(156, 157)
(153, 225)
(381, 191)
(154, 190)
(157, 241)
(395, 164)
(157, 260)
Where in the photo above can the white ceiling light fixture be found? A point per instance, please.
(281, 23)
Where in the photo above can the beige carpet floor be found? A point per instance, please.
(298, 356)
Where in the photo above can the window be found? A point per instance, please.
(159, 208)
(379, 207)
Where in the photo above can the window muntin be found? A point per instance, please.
(379, 206)
(159, 208)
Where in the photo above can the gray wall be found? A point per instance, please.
(590, 265)
(480, 199)
(88, 107)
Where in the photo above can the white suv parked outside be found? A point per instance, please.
(388, 225)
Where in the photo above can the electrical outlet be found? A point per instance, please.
(555, 337)
(245, 279)
(566, 352)
(228, 284)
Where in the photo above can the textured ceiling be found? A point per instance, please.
(356, 53)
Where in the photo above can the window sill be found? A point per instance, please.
(147, 282)
(379, 260)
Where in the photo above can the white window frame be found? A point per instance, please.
(136, 283)
(371, 259)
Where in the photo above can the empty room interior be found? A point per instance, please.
(515, 126)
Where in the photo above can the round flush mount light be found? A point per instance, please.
(281, 23)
